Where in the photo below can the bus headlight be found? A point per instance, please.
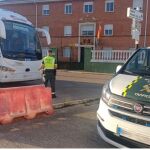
(106, 94)
(5, 69)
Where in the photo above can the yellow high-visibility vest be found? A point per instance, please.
(49, 62)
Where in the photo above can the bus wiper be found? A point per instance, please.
(20, 54)
(29, 52)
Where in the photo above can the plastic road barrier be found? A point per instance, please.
(24, 101)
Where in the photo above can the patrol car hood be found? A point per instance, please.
(132, 87)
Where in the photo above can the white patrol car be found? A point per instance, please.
(124, 109)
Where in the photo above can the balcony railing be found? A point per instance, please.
(113, 56)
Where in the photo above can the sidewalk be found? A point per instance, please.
(89, 77)
(76, 87)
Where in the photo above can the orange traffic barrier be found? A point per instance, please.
(24, 101)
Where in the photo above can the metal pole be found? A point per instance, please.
(136, 44)
(137, 41)
(35, 13)
(145, 34)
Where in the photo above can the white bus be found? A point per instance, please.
(20, 50)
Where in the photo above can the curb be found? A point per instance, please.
(84, 72)
(72, 103)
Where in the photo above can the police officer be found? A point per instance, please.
(49, 67)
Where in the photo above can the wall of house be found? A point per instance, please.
(56, 21)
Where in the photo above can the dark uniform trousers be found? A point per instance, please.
(50, 77)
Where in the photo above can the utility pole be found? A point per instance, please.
(35, 13)
(136, 44)
(145, 34)
(136, 28)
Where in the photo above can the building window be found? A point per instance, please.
(109, 6)
(67, 30)
(88, 7)
(87, 30)
(108, 30)
(45, 10)
(68, 8)
(46, 28)
(67, 52)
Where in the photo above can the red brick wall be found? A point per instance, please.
(121, 38)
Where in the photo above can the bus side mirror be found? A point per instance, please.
(2, 30)
(46, 33)
(118, 68)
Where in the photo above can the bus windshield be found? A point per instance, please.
(21, 42)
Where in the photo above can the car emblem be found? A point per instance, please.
(138, 108)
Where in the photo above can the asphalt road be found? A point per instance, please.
(70, 127)
(68, 90)
(71, 90)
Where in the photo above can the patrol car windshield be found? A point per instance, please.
(21, 42)
(139, 64)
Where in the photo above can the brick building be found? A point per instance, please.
(74, 24)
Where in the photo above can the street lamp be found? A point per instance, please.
(145, 34)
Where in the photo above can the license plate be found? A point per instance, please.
(147, 124)
(119, 131)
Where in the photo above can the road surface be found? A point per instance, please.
(70, 127)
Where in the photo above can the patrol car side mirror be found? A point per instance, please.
(46, 33)
(2, 30)
(118, 68)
